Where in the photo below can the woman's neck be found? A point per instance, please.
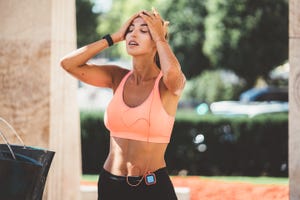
(144, 70)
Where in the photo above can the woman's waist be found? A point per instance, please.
(134, 165)
(152, 136)
(136, 179)
(135, 150)
(134, 158)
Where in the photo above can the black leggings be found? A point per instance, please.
(112, 187)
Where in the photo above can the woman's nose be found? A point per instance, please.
(134, 32)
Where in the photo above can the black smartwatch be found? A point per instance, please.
(108, 39)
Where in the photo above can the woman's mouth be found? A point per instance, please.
(132, 43)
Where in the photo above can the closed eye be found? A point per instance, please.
(143, 28)
(130, 29)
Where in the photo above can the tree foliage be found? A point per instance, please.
(187, 34)
(213, 85)
(86, 23)
(249, 37)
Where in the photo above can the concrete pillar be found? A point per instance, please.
(37, 97)
(294, 99)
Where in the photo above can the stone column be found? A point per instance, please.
(37, 97)
(294, 99)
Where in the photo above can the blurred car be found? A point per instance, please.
(254, 102)
(265, 94)
(248, 108)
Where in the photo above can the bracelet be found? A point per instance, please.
(108, 39)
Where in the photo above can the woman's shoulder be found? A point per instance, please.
(118, 73)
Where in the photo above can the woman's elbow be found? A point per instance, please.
(176, 85)
(65, 64)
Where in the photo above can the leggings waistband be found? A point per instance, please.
(111, 176)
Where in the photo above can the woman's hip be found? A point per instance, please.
(155, 185)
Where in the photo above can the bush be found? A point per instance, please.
(94, 142)
(207, 86)
(206, 145)
(214, 145)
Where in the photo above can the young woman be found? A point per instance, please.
(140, 116)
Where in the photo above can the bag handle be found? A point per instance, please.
(5, 139)
(13, 130)
(8, 145)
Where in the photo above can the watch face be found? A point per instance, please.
(150, 179)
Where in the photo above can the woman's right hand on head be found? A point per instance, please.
(120, 34)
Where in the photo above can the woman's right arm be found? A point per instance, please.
(76, 62)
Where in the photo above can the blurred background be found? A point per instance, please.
(233, 115)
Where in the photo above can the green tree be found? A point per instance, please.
(86, 23)
(187, 34)
(249, 37)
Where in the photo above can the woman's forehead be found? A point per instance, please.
(138, 21)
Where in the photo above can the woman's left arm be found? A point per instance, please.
(173, 77)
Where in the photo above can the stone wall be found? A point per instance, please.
(294, 99)
(37, 97)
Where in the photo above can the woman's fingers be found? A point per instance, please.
(155, 13)
(146, 13)
(157, 26)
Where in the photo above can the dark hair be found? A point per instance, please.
(156, 59)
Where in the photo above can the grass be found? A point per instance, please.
(90, 177)
(252, 180)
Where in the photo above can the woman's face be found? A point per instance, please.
(138, 39)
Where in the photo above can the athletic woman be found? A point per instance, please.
(141, 114)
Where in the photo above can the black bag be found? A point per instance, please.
(23, 170)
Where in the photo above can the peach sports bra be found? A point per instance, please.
(146, 122)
